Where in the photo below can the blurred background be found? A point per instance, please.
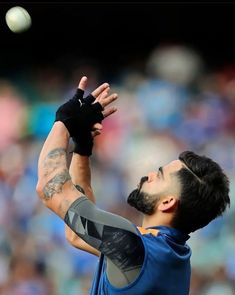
(173, 66)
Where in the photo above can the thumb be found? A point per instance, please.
(97, 126)
(83, 83)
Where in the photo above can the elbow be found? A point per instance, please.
(71, 236)
(39, 189)
(41, 193)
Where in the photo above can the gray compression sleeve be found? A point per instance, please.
(114, 236)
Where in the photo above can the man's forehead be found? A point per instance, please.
(174, 166)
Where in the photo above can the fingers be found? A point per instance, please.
(100, 93)
(96, 129)
(100, 89)
(105, 100)
(95, 133)
(83, 83)
(109, 111)
(97, 126)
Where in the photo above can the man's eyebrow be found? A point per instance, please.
(161, 170)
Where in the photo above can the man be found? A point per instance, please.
(175, 200)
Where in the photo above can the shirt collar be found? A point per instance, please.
(172, 232)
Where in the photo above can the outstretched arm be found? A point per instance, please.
(81, 173)
(55, 186)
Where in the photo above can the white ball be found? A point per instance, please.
(18, 19)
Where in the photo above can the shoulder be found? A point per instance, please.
(144, 231)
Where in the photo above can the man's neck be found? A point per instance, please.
(156, 220)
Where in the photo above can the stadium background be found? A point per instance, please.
(173, 66)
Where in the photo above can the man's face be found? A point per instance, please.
(155, 186)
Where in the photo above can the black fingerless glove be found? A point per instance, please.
(84, 144)
(79, 115)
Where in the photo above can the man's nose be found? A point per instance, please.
(151, 176)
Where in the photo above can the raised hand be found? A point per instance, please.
(99, 97)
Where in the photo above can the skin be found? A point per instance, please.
(167, 188)
(55, 187)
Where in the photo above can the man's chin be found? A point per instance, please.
(136, 200)
(132, 198)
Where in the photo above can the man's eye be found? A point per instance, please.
(159, 174)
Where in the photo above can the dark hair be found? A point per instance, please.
(204, 192)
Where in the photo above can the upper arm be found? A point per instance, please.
(114, 236)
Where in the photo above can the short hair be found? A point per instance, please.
(204, 192)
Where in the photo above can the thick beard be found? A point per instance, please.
(141, 201)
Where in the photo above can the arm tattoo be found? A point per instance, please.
(55, 159)
(56, 153)
(79, 188)
(55, 185)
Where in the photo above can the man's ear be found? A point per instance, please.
(167, 203)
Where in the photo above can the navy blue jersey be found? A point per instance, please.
(134, 260)
(165, 271)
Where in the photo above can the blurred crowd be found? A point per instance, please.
(170, 102)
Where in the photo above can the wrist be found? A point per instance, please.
(82, 162)
(83, 146)
(58, 125)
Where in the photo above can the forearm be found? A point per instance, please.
(54, 186)
(57, 138)
(81, 174)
